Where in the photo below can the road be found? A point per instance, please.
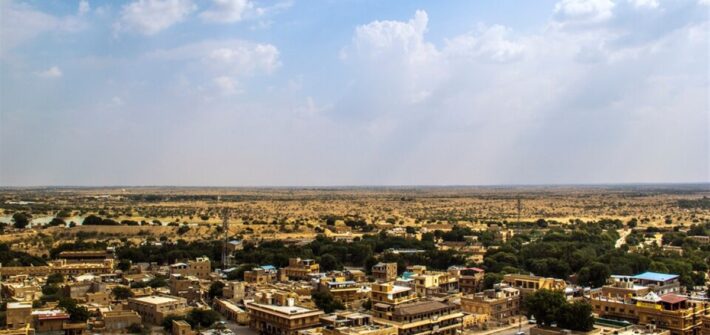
(622, 237)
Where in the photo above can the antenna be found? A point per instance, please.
(520, 208)
(225, 230)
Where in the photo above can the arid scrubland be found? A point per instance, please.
(135, 213)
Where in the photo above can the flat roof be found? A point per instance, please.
(155, 299)
(288, 310)
(12, 305)
(655, 276)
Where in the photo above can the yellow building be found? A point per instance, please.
(349, 323)
(300, 269)
(347, 291)
(231, 311)
(117, 320)
(497, 306)
(470, 279)
(153, 309)
(420, 317)
(675, 313)
(528, 283)
(200, 268)
(390, 294)
(384, 272)
(18, 315)
(279, 315)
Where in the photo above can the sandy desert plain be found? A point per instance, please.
(280, 213)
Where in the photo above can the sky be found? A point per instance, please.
(353, 92)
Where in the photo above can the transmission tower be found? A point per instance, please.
(225, 230)
(520, 208)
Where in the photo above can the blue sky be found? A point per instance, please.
(261, 93)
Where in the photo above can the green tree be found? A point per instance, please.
(21, 220)
(328, 262)
(202, 317)
(576, 316)
(545, 306)
(55, 278)
(124, 265)
(215, 290)
(135, 328)
(490, 279)
(168, 321)
(121, 292)
(76, 313)
(326, 302)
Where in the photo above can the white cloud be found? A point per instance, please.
(492, 43)
(645, 3)
(584, 11)
(496, 95)
(21, 23)
(225, 57)
(226, 85)
(84, 7)
(52, 72)
(381, 38)
(227, 11)
(150, 17)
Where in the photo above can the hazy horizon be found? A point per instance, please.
(257, 93)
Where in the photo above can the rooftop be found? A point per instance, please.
(155, 299)
(655, 276)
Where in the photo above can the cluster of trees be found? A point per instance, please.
(365, 252)
(552, 308)
(588, 250)
(9, 257)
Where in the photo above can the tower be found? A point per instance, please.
(520, 208)
(225, 231)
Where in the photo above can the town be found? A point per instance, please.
(349, 277)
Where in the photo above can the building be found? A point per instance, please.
(498, 306)
(675, 313)
(117, 320)
(350, 323)
(431, 283)
(49, 320)
(234, 290)
(200, 268)
(18, 315)
(60, 266)
(231, 311)
(705, 330)
(181, 327)
(300, 269)
(279, 315)
(346, 291)
(187, 287)
(153, 309)
(470, 279)
(390, 294)
(86, 256)
(660, 283)
(420, 317)
(528, 283)
(384, 272)
(261, 275)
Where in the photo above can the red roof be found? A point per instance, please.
(672, 298)
(53, 316)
